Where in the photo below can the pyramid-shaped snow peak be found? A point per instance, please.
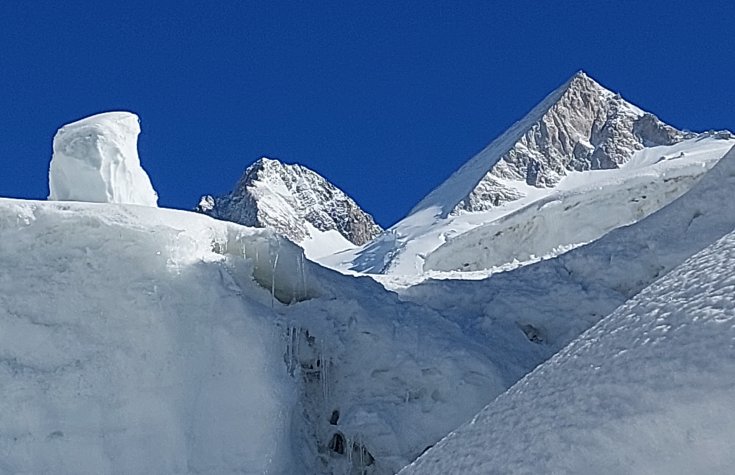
(580, 126)
(296, 202)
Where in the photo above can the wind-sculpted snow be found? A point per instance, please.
(96, 159)
(650, 389)
(297, 203)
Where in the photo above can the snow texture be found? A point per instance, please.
(650, 389)
(96, 160)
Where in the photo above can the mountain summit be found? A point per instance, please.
(582, 162)
(298, 203)
(579, 126)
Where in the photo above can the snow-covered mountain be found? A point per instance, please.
(298, 203)
(143, 340)
(582, 162)
(580, 126)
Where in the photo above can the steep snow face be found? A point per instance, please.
(580, 126)
(578, 213)
(650, 389)
(296, 202)
(96, 159)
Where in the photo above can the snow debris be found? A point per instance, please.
(96, 159)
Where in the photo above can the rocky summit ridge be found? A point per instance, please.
(291, 199)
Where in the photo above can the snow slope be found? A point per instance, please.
(650, 389)
(582, 162)
(96, 159)
(298, 203)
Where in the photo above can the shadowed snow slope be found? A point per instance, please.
(650, 389)
(96, 159)
(145, 340)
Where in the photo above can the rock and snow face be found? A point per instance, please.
(650, 389)
(96, 159)
(581, 163)
(296, 202)
(580, 126)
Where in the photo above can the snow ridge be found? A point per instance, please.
(580, 126)
(289, 198)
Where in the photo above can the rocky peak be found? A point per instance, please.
(286, 197)
(580, 126)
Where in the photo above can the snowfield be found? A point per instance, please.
(650, 389)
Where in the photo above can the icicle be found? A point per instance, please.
(273, 276)
(302, 270)
(324, 373)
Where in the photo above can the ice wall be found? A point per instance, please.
(96, 159)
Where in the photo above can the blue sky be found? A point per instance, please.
(384, 98)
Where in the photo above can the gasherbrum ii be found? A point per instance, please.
(96, 159)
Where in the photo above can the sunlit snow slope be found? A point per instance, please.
(650, 389)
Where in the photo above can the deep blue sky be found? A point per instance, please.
(384, 98)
